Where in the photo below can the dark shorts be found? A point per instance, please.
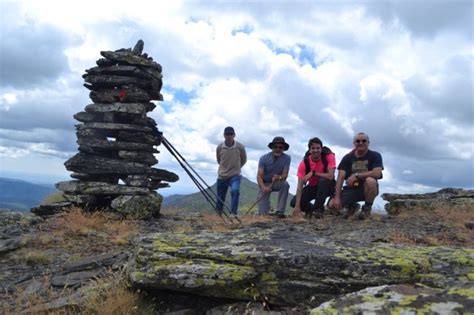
(352, 195)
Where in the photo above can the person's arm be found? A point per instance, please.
(377, 166)
(299, 193)
(329, 175)
(243, 156)
(284, 175)
(218, 154)
(375, 173)
(260, 181)
(336, 201)
(286, 170)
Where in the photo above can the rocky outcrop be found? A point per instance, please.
(284, 266)
(446, 197)
(402, 299)
(13, 225)
(116, 138)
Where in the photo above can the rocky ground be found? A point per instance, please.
(265, 265)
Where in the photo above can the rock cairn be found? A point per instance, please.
(117, 140)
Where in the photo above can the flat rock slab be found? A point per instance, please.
(287, 266)
(163, 175)
(52, 208)
(10, 244)
(74, 279)
(128, 108)
(444, 198)
(131, 59)
(114, 127)
(99, 188)
(116, 145)
(125, 70)
(93, 164)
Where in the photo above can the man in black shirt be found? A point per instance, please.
(361, 168)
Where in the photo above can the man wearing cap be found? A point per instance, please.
(272, 173)
(231, 156)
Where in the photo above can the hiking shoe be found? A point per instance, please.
(280, 215)
(318, 214)
(365, 212)
(350, 210)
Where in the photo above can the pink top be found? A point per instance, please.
(317, 166)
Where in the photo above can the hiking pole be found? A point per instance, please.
(258, 200)
(170, 147)
(205, 193)
(196, 182)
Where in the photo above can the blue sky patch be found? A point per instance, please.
(247, 29)
(300, 52)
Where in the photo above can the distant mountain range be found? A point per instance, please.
(197, 202)
(22, 195)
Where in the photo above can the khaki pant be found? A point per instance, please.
(264, 203)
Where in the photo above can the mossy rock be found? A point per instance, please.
(287, 267)
(138, 207)
(402, 299)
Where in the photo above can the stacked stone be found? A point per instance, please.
(117, 140)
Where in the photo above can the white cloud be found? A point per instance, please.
(296, 70)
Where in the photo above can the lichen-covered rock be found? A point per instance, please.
(402, 299)
(446, 197)
(288, 267)
(138, 207)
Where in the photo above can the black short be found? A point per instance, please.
(353, 195)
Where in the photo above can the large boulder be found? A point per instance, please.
(287, 267)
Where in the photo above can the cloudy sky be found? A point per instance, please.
(401, 71)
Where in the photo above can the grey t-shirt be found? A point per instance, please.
(272, 166)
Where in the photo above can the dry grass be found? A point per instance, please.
(37, 257)
(112, 295)
(402, 238)
(108, 295)
(27, 303)
(455, 218)
(56, 196)
(217, 223)
(78, 223)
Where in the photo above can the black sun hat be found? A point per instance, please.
(279, 140)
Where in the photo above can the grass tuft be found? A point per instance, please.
(112, 295)
(54, 197)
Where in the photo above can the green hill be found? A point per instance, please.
(197, 202)
(21, 195)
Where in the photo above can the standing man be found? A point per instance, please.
(361, 168)
(272, 173)
(317, 173)
(231, 156)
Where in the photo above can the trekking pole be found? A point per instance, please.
(258, 200)
(205, 193)
(169, 146)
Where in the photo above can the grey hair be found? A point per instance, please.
(362, 134)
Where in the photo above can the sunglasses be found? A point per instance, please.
(228, 134)
(361, 141)
(279, 147)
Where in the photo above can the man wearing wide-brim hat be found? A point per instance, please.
(272, 173)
